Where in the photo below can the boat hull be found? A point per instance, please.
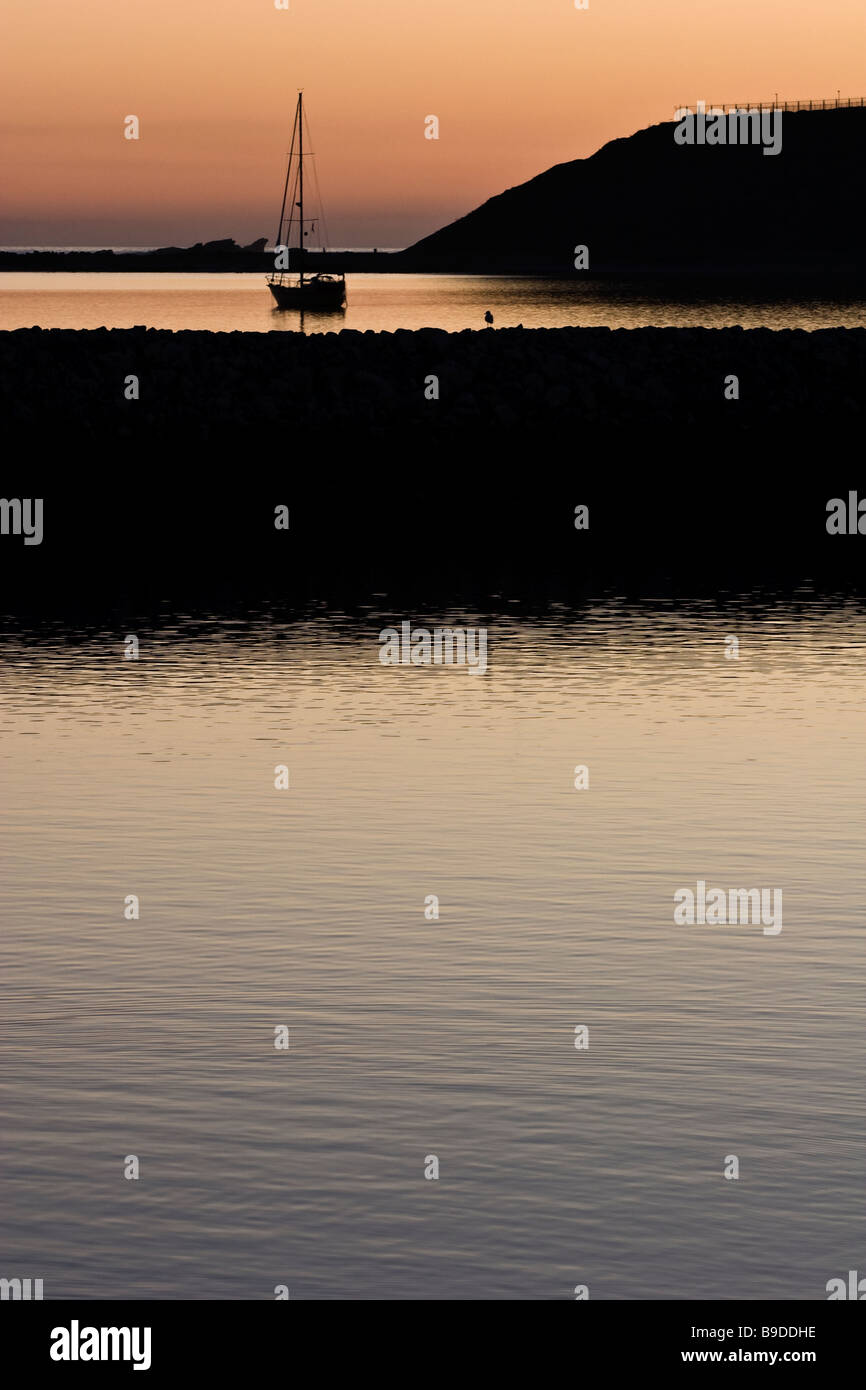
(313, 294)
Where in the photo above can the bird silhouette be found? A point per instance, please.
(488, 319)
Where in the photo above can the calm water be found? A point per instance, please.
(385, 302)
(452, 1037)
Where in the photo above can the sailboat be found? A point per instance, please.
(301, 291)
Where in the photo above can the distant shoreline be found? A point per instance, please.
(804, 278)
(214, 258)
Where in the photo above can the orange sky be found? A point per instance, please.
(518, 85)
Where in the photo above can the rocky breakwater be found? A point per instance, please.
(130, 383)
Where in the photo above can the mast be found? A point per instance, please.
(301, 178)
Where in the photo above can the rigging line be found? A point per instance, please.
(290, 215)
(293, 217)
(319, 198)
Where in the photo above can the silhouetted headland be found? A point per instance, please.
(646, 203)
